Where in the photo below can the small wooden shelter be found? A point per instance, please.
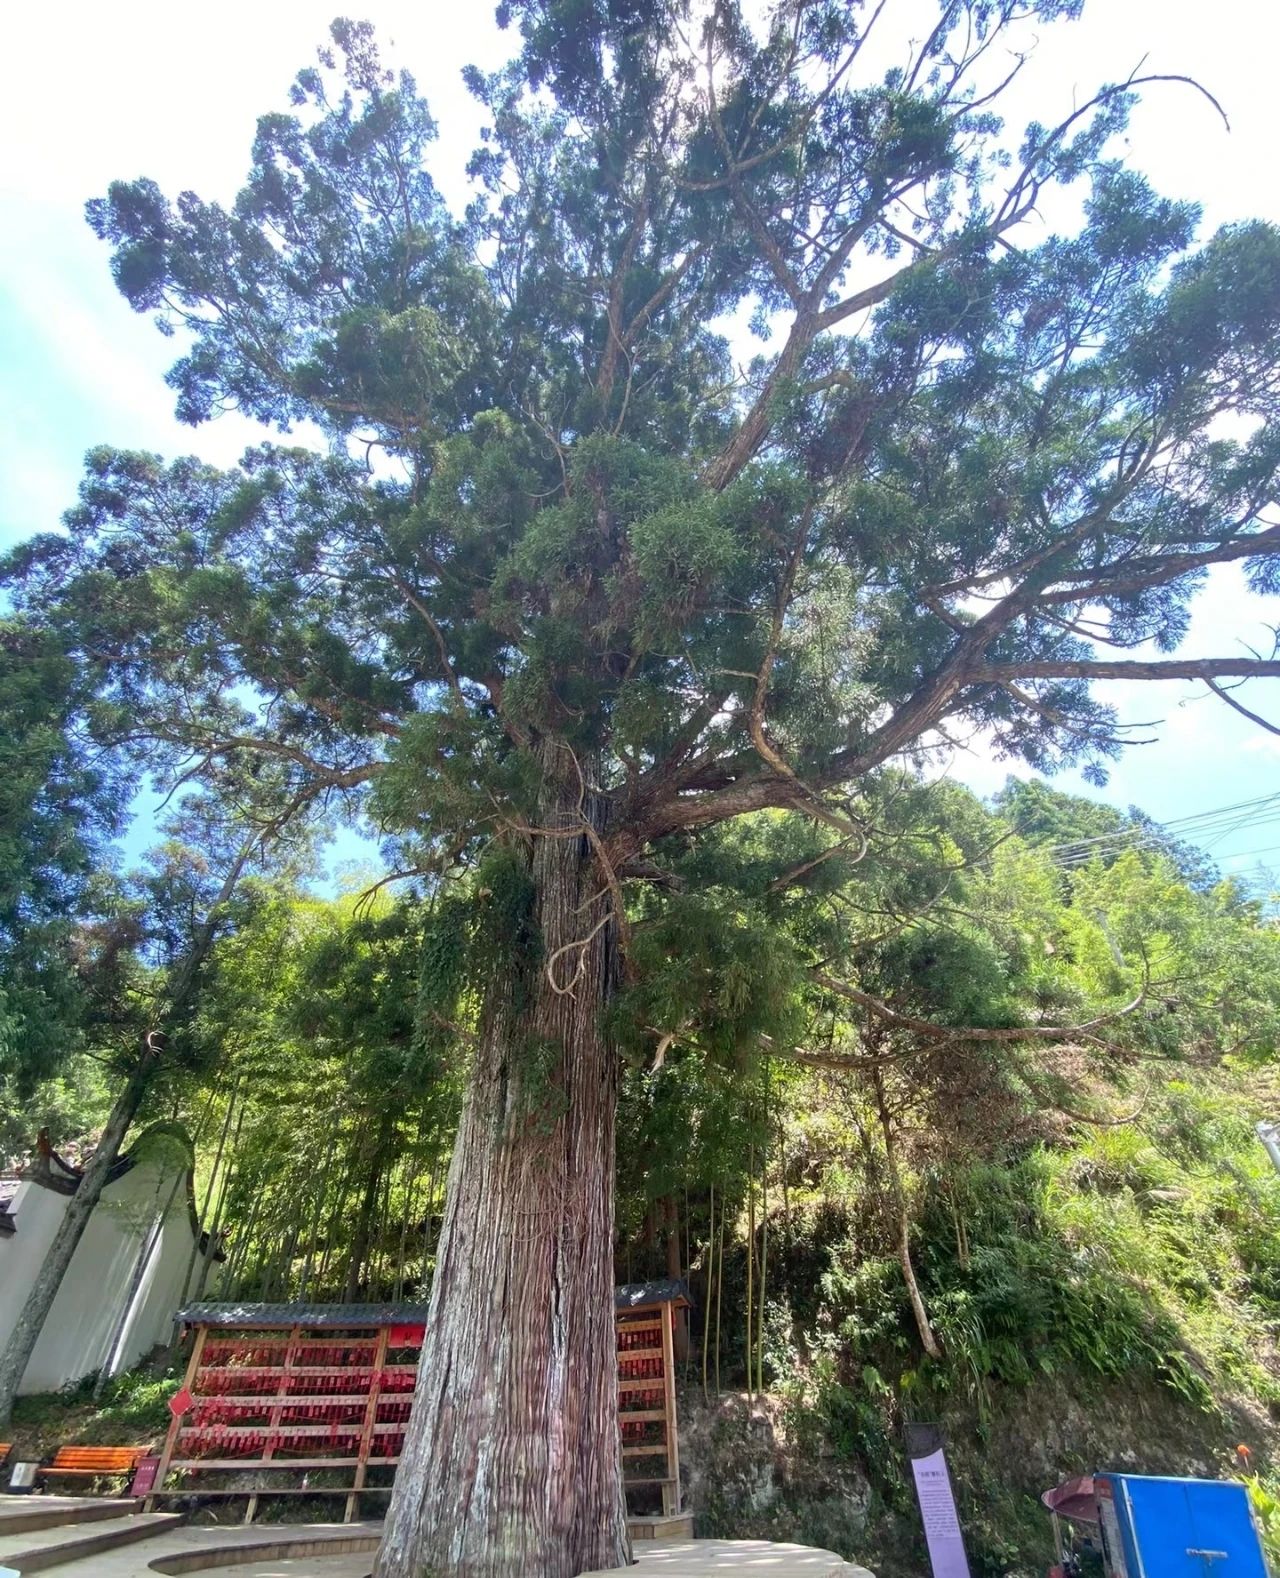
(313, 1399)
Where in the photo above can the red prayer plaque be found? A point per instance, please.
(406, 1336)
(180, 1403)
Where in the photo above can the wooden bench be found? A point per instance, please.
(93, 1462)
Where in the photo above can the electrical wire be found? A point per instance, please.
(1208, 829)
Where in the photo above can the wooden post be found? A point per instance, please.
(175, 1424)
(370, 1419)
(277, 1408)
(671, 1490)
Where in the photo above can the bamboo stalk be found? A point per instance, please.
(266, 1267)
(751, 1253)
(377, 1257)
(230, 1175)
(277, 1267)
(313, 1243)
(339, 1205)
(710, 1262)
(404, 1228)
(764, 1266)
(231, 1273)
(719, 1292)
(428, 1214)
(208, 1192)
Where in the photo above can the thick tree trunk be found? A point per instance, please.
(26, 1333)
(511, 1463)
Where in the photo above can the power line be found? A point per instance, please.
(1158, 839)
(1243, 854)
(1175, 824)
(1206, 828)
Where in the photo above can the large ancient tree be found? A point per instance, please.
(570, 588)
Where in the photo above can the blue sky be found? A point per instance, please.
(172, 91)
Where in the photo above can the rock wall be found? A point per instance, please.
(746, 1475)
(764, 1468)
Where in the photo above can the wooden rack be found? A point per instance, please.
(324, 1392)
(309, 1400)
(647, 1400)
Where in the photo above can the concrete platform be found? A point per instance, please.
(346, 1551)
(18, 1514)
(70, 1545)
(722, 1558)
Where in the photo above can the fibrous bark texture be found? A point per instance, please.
(511, 1463)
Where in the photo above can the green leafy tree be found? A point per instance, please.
(1014, 1003)
(1077, 830)
(150, 968)
(568, 591)
(59, 805)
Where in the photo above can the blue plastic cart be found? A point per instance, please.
(1177, 1528)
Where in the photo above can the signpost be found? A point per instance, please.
(937, 1502)
(144, 1476)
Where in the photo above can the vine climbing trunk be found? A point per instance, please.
(511, 1462)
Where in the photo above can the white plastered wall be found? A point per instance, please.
(78, 1336)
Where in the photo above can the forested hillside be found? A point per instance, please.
(1012, 1183)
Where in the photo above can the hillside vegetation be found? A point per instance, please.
(1015, 1188)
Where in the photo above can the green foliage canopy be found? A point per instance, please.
(552, 510)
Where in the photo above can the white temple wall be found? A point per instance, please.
(85, 1320)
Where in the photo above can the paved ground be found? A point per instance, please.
(689, 1559)
(657, 1559)
(686, 1559)
(21, 1506)
(13, 1547)
(721, 1558)
(134, 1561)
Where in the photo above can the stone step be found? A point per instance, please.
(72, 1543)
(660, 1526)
(22, 1514)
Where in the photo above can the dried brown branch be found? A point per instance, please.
(931, 1031)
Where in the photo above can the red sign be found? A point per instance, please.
(180, 1403)
(144, 1476)
(405, 1336)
